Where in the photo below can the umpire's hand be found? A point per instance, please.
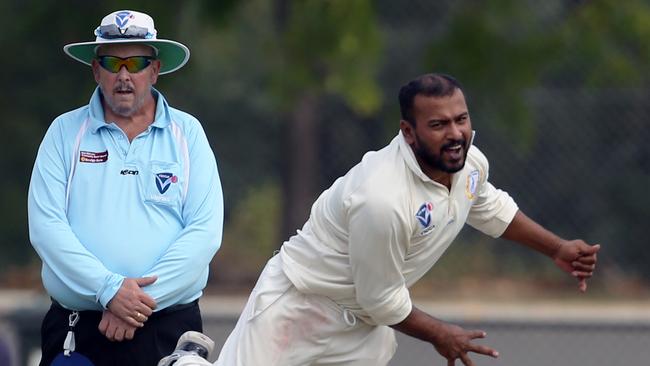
(131, 304)
(114, 328)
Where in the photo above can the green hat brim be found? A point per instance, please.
(172, 55)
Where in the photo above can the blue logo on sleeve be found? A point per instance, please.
(164, 181)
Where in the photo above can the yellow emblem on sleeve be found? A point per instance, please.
(472, 184)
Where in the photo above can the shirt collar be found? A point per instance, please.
(162, 117)
(409, 157)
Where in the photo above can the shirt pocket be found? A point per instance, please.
(162, 183)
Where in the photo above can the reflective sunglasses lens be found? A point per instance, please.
(136, 63)
(133, 64)
(110, 63)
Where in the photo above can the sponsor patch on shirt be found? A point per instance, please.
(472, 184)
(129, 172)
(93, 157)
(164, 181)
(424, 217)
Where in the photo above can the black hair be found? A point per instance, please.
(432, 85)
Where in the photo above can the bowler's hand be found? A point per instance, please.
(579, 259)
(114, 328)
(131, 304)
(454, 342)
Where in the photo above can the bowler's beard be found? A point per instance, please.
(121, 109)
(435, 160)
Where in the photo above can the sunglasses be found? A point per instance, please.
(133, 64)
(112, 31)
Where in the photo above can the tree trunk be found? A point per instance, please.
(300, 175)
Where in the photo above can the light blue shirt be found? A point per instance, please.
(102, 208)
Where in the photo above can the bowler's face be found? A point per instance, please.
(442, 133)
(124, 92)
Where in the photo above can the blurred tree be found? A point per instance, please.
(506, 47)
(275, 65)
(267, 75)
(582, 64)
(501, 48)
(291, 93)
(324, 47)
(33, 86)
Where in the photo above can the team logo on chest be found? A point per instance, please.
(424, 217)
(164, 181)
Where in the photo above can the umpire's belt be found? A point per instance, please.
(168, 310)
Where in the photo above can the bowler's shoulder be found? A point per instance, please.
(477, 159)
(381, 178)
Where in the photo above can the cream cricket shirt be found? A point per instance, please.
(383, 225)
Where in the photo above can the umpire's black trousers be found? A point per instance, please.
(152, 342)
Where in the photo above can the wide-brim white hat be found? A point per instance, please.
(128, 26)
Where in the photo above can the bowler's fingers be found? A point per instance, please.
(587, 259)
(466, 360)
(586, 249)
(582, 280)
(582, 285)
(583, 268)
(474, 334)
(483, 350)
(581, 274)
(584, 264)
(479, 348)
(579, 266)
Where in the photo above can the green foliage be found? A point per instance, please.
(609, 44)
(329, 46)
(500, 49)
(250, 237)
(252, 62)
(507, 47)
